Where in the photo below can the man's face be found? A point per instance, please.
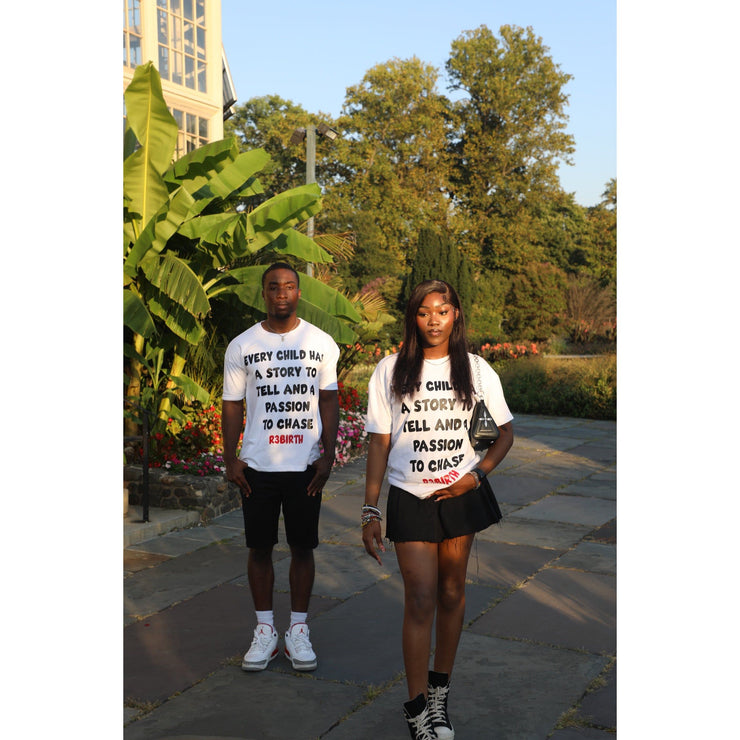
(281, 293)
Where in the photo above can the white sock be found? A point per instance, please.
(266, 618)
(296, 617)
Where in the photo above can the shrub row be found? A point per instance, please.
(584, 388)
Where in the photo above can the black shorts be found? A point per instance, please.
(412, 519)
(261, 509)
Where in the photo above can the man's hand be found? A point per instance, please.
(323, 470)
(235, 473)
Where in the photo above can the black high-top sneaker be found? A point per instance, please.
(416, 713)
(439, 688)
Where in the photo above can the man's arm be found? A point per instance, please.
(232, 425)
(329, 413)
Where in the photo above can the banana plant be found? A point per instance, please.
(181, 241)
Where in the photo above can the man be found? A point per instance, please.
(285, 370)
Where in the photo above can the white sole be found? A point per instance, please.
(259, 666)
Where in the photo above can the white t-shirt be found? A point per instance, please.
(430, 448)
(280, 376)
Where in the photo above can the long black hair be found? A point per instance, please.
(407, 371)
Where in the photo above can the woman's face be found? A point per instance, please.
(434, 320)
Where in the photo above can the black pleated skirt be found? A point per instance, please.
(412, 519)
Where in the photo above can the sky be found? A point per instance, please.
(310, 55)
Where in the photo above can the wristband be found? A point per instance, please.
(479, 474)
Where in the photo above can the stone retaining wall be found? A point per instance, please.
(211, 495)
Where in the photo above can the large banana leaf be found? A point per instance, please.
(160, 228)
(299, 245)
(196, 165)
(136, 316)
(179, 321)
(156, 131)
(173, 277)
(234, 179)
(281, 212)
(191, 390)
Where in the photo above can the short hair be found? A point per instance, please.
(281, 266)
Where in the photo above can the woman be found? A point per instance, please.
(419, 407)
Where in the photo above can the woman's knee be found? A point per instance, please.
(450, 594)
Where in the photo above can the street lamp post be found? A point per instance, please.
(309, 133)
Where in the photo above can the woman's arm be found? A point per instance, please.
(494, 455)
(377, 460)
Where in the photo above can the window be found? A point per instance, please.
(131, 33)
(181, 42)
(192, 132)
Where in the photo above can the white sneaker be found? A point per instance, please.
(298, 648)
(263, 649)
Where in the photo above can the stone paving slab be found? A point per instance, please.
(553, 535)
(180, 578)
(173, 649)
(265, 705)
(606, 533)
(595, 557)
(581, 733)
(590, 487)
(504, 566)
(560, 607)
(591, 512)
(600, 706)
(360, 639)
(134, 561)
(491, 696)
(520, 489)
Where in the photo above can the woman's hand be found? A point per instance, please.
(467, 483)
(370, 535)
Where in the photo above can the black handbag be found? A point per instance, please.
(483, 431)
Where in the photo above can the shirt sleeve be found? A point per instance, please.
(235, 374)
(379, 414)
(328, 369)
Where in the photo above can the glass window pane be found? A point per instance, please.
(177, 68)
(188, 9)
(125, 48)
(175, 6)
(164, 63)
(202, 77)
(162, 4)
(190, 72)
(200, 12)
(177, 115)
(201, 45)
(176, 34)
(162, 35)
(190, 123)
(203, 128)
(135, 51)
(189, 38)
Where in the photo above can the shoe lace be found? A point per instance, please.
(300, 640)
(261, 638)
(438, 705)
(421, 726)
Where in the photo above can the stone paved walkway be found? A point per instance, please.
(537, 657)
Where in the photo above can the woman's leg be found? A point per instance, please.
(418, 564)
(453, 557)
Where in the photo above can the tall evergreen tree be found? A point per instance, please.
(438, 258)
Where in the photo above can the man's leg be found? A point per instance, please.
(261, 577)
(302, 573)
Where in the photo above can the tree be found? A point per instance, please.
(508, 141)
(391, 161)
(438, 259)
(182, 249)
(267, 123)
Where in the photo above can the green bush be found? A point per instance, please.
(580, 387)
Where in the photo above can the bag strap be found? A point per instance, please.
(479, 387)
